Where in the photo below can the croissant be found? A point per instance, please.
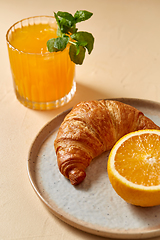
(92, 128)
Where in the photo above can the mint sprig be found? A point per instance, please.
(68, 33)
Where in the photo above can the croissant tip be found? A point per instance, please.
(76, 176)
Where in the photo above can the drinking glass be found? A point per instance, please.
(42, 80)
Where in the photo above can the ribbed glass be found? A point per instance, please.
(42, 80)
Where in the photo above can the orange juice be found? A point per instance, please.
(40, 77)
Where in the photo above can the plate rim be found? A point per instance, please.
(77, 223)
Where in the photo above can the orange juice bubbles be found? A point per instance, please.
(42, 80)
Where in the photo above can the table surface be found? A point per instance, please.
(125, 63)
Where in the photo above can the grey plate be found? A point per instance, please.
(93, 206)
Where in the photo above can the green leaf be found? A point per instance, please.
(77, 58)
(66, 23)
(82, 15)
(61, 42)
(66, 19)
(57, 44)
(57, 19)
(78, 49)
(84, 37)
(66, 30)
(78, 44)
(83, 43)
(50, 45)
(59, 33)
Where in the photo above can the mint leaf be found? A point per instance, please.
(68, 30)
(66, 23)
(77, 58)
(83, 43)
(57, 44)
(69, 19)
(59, 33)
(77, 44)
(68, 33)
(50, 45)
(60, 43)
(82, 15)
(84, 37)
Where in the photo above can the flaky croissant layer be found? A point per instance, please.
(92, 128)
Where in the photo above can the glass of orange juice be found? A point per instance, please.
(42, 80)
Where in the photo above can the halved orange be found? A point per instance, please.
(134, 168)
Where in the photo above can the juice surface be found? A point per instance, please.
(33, 38)
(39, 76)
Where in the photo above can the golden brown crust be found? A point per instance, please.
(91, 128)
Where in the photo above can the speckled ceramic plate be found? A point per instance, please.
(93, 206)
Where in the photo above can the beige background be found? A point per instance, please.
(125, 63)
